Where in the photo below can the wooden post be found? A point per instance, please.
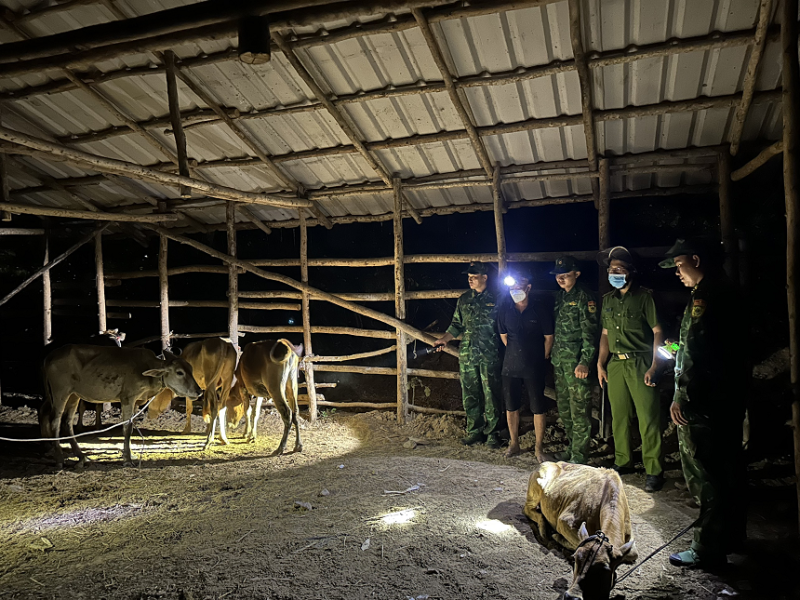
(233, 276)
(603, 213)
(497, 193)
(729, 242)
(101, 286)
(791, 174)
(306, 310)
(47, 293)
(163, 289)
(175, 120)
(400, 304)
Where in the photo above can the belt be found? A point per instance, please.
(624, 356)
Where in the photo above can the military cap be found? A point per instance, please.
(477, 268)
(564, 264)
(605, 257)
(682, 247)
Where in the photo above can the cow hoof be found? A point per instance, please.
(187, 431)
(128, 463)
(298, 448)
(224, 442)
(278, 452)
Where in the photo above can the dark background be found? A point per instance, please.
(758, 206)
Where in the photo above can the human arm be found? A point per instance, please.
(456, 328)
(548, 345)
(588, 323)
(504, 338)
(602, 358)
(442, 341)
(658, 340)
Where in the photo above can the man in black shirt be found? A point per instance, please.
(528, 336)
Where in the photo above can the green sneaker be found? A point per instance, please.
(690, 558)
(473, 438)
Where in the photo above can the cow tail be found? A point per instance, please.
(211, 384)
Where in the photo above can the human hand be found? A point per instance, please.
(438, 345)
(649, 377)
(602, 374)
(581, 371)
(677, 415)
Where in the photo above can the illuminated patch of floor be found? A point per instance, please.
(77, 518)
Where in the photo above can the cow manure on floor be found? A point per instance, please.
(439, 521)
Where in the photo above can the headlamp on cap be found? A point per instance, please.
(509, 281)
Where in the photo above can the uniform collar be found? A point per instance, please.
(631, 291)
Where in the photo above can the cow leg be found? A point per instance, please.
(291, 393)
(127, 428)
(98, 416)
(188, 427)
(59, 406)
(81, 410)
(221, 417)
(286, 417)
(69, 413)
(213, 409)
(252, 420)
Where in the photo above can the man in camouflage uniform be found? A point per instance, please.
(479, 358)
(711, 377)
(575, 335)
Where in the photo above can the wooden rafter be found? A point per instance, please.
(751, 75)
(459, 103)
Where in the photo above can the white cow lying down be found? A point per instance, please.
(575, 500)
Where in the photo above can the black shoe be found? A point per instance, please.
(653, 483)
(564, 455)
(493, 441)
(623, 470)
(473, 438)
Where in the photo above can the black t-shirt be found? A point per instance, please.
(526, 331)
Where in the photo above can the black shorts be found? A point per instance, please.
(534, 385)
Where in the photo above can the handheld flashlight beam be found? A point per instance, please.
(668, 350)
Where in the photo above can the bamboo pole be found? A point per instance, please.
(356, 308)
(5, 190)
(178, 336)
(175, 119)
(163, 291)
(433, 374)
(354, 331)
(437, 411)
(64, 255)
(100, 280)
(497, 195)
(310, 358)
(604, 206)
(134, 171)
(727, 224)
(363, 369)
(791, 174)
(306, 310)
(26, 209)
(203, 304)
(399, 298)
(47, 294)
(751, 75)
(372, 405)
(758, 161)
(20, 230)
(233, 277)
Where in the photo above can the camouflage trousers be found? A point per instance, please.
(713, 465)
(482, 394)
(574, 397)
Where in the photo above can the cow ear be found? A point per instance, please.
(626, 553)
(582, 532)
(154, 372)
(298, 350)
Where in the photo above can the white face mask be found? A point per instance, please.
(517, 295)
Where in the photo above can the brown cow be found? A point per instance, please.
(99, 374)
(213, 362)
(268, 369)
(577, 499)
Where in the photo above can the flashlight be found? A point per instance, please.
(668, 350)
(509, 281)
(424, 351)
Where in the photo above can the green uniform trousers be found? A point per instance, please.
(626, 390)
(482, 394)
(574, 407)
(711, 454)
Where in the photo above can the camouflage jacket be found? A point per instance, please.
(575, 325)
(711, 367)
(475, 319)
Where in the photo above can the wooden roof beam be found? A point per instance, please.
(750, 76)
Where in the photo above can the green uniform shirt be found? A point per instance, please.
(575, 326)
(711, 368)
(629, 319)
(475, 319)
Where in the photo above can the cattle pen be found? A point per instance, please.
(216, 127)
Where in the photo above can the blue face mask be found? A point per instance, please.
(618, 281)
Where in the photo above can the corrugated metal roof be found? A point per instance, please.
(489, 44)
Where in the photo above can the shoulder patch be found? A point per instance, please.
(490, 304)
(573, 304)
(698, 308)
(592, 306)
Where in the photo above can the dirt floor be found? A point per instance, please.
(368, 510)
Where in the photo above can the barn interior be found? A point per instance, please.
(323, 172)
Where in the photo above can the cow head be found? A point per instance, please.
(176, 374)
(596, 560)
